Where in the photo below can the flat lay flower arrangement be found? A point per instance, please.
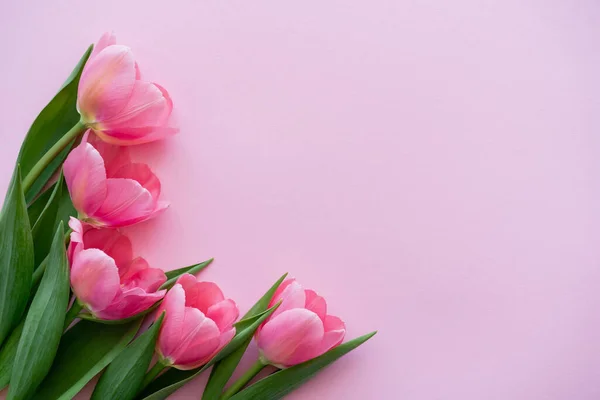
(73, 293)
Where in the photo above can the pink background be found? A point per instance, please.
(431, 167)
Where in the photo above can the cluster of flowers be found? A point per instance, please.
(110, 284)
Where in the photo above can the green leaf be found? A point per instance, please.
(173, 379)
(35, 208)
(8, 353)
(282, 382)
(16, 257)
(58, 209)
(85, 350)
(176, 273)
(222, 371)
(43, 324)
(123, 377)
(51, 124)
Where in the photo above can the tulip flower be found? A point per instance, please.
(107, 189)
(116, 103)
(300, 329)
(106, 279)
(198, 323)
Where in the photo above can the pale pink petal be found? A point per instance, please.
(203, 295)
(107, 39)
(149, 105)
(95, 279)
(76, 238)
(316, 303)
(335, 330)
(200, 339)
(112, 242)
(126, 203)
(277, 295)
(291, 338)
(142, 174)
(148, 279)
(292, 296)
(224, 314)
(114, 156)
(170, 331)
(106, 84)
(86, 178)
(133, 136)
(129, 303)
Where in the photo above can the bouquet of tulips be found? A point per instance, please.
(76, 302)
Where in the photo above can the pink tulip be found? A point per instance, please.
(299, 329)
(107, 189)
(113, 101)
(198, 323)
(106, 278)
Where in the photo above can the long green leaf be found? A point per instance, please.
(51, 124)
(58, 209)
(35, 208)
(173, 379)
(173, 275)
(222, 371)
(85, 350)
(123, 377)
(16, 257)
(43, 324)
(282, 382)
(8, 353)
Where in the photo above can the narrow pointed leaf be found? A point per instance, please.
(124, 376)
(59, 115)
(173, 379)
(58, 209)
(172, 276)
(35, 208)
(8, 353)
(85, 350)
(223, 370)
(282, 382)
(43, 324)
(16, 257)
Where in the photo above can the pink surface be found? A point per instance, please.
(428, 166)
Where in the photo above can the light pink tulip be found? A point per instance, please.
(116, 103)
(107, 189)
(299, 329)
(198, 323)
(105, 276)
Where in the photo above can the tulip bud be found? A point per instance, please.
(299, 329)
(115, 103)
(198, 323)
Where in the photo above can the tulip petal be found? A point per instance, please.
(126, 203)
(107, 39)
(142, 174)
(148, 279)
(224, 314)
(202, 295)
(76, 238)
(170, 332)
(316, 304)
(134, 136)
(106, 84)
(133, 267)
(86, 178)
(201, 337)
(292, 296)
(149, 105)
(95, 279)
(335, 330)
(112, 242)
(129, 303)
(292, 337)
(114, 156)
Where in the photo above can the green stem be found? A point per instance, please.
(152, 374)
(244, 379)
(51, 154)
(72, 314)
